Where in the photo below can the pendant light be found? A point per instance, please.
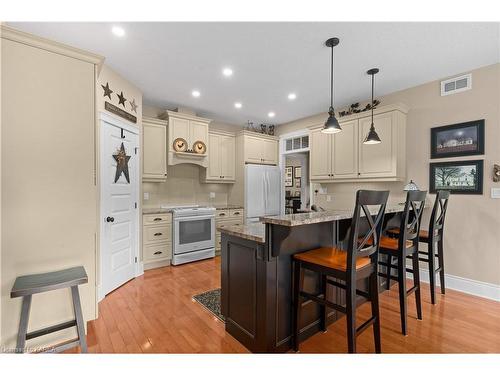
(372, 137)
(331, 125)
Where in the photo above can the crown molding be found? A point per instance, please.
(9, 33)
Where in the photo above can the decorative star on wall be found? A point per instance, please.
(133, 105)
(122, 164)
(121, 99)
(107, 90)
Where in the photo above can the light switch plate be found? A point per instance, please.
(146, 196)
(495, 193)
(212, 195)
(328, 198)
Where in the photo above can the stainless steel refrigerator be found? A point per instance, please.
(262, 191)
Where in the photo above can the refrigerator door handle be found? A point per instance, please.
(266, 192)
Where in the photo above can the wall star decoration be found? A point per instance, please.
(133, 105)
(107, 90)
(121, 99)
(122, 164)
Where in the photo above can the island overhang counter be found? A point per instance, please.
(256, 278)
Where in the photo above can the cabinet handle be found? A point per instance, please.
(158, 234)
(157, 252)
(157, 219)
(222, 214)
(236, 213)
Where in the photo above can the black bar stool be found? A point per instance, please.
(434, 240)
(357, 263)
(406, 245)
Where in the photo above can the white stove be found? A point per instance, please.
(193, 233)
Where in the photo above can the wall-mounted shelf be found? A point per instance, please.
(183, 154)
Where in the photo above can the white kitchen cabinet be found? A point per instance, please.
(342, 157)
(221, 158)
(156, 240)
(259, 148)
(154, 150)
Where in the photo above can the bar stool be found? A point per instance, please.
(357, 263)
(434, 240)
(26, 286)
(404, 246)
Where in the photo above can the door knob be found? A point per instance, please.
(110, 219)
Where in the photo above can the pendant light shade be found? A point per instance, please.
(331, 125)
(372, 137)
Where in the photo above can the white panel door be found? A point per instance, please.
(254, 191)
(118, 208)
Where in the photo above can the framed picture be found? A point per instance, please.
(288, 176)
(462, 139)
(298, 172)
(297, 182)
(297, 194)
(458, 177)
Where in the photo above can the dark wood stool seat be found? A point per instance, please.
(331, 257)
(405, 245)
(344, 269)
(26, 286)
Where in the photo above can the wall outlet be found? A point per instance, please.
(211, 195)
(146, 196)
(323, 189)
(495, 193)
(328, 198)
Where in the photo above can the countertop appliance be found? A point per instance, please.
(193, 234)
(262, 191)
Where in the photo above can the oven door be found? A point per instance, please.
(194, 233)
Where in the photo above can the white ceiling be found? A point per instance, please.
(270, 60)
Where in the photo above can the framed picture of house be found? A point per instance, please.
(298, 172)
(462, 139)
(298, 182)
(288, 176)
(458, 177)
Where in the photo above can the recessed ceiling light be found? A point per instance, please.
(271, 114)
(228, 72)
(238, 105)
(118, 31)
(195, 93)
(292, 96)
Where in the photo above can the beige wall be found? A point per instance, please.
(183, 185)
(471, 240)
(49, 216)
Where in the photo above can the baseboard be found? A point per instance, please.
(139, 269)
(461, 284)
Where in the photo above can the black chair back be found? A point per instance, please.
(436, 224)
(412, 217)
(366, 244)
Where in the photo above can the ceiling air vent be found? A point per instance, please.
(456, 84)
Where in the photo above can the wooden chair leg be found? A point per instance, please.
(416, 282)
(323, 310)
(441, 265)
(373, 287)
(432, 271)
(79, 318)
(298, 278)
(389, 271)
(402, 291)
(351, 316)
(23, 324)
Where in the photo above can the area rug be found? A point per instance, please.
(211, 301)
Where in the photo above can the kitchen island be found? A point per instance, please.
(256, 297)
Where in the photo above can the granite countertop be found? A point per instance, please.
(156, 210)
(253, 232)
(319, 217)
(228, 207)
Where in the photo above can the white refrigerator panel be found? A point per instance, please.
(254, 191)
(273, 180)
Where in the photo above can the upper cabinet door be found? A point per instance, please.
(154, 151)
(320, 155)
(345, 151)
(198, 132)
(378, 160)
(227, 147)
(179, 129)
(254, 150)
(270, 151)
(214, 157)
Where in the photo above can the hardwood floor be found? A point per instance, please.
(155, 313)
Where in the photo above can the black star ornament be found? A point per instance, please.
(121, 99)
(122, 164)
(107, 90)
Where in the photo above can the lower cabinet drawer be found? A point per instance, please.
(157, 252)
(228, 223)
(157, 233)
